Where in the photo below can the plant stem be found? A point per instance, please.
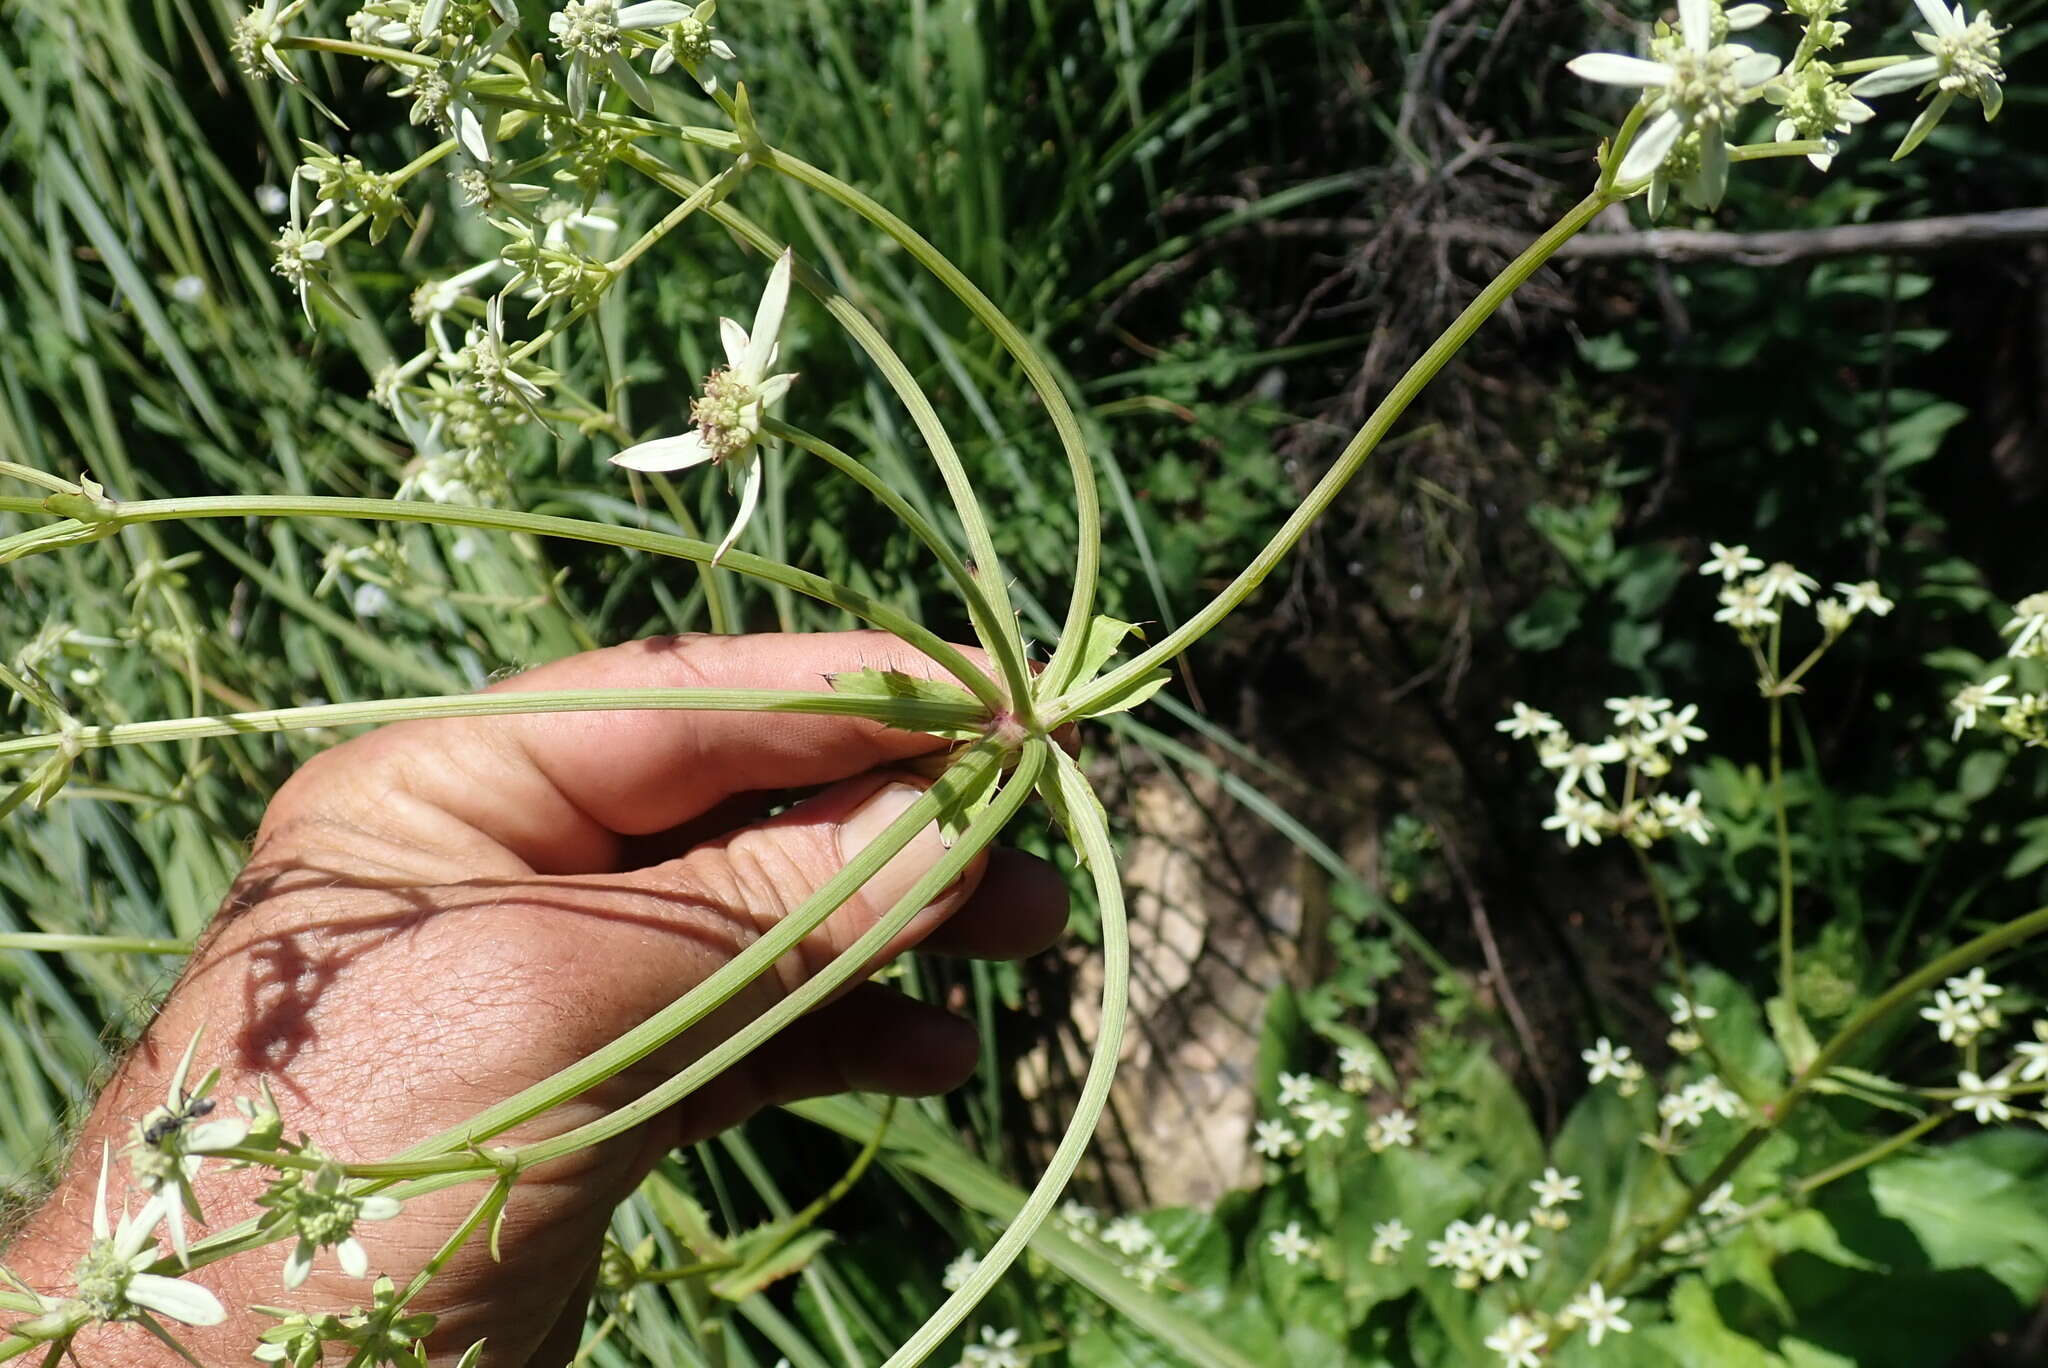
(1899, 995)
(343, 47)
(1084, 700)
(38, 478)
(68, 532)
(999, 636)
(55, 942)
(1089, 832)
(904, 714)
(1787, 988)
(820, 987)
(1037, 373)
(919, 526)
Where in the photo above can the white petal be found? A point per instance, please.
(1821, 160)
(225, 1133)
(100, 1229)
(298, 1263)
(652, 14)
(774, 387)
(629, 79)
(664, 58)
(1893, 79)
(665, 453)
(1855, 111)
(735, 339)
(768, 319)
(1652, 145)
(1611, 68)
(469, 131)
(1787, 131)
(378, 1207)
(1755, 68)
(1696, 23)
(1938, 17)
(1746, 17)
(181, 1301)
(174, 1217)
(355, 1260)
(750, 498)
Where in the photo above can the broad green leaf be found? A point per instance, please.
(768, 1255)
(898, 686)
(1696, 1337)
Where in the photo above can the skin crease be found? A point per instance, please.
(437, 914)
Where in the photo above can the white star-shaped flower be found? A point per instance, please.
(1953, 1021)
(1526, 721)
(1974, 988)
(1983, 1098)
(735, 401)
(1731, 563)
(1597, 1313)
(1605, 1060)
(1974, 698)
(1519, 1341)
(1290, 1244)
(2028, 627)
(1864, 597)
(1784, 581)
(1296, 1089)
(1555, 1189)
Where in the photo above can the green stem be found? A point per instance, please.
(820, 987)
(966, 773)
(1898, 996)
(1787, 988)
(920, 527)
(343, 47)
(40, 479)
(1085, 700)
(1000, 635)
(53, 535)
(903, 714)
(1066, 425)
(1089, 831)
(56, 942)
(455, 1155)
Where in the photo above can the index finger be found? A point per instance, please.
(557, 791)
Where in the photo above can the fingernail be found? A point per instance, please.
(909, 864)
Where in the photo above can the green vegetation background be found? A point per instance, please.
(1230, 223)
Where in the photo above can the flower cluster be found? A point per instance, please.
(1696, 83)
(1648, 733)
(1477, 1250)
(463, 398)
(2018, 711)
(169, 1147)
(1964, 1013)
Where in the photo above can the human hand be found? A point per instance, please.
(439, 914)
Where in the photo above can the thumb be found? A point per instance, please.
(758, 875)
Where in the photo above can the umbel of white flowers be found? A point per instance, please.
(1699, 85)
(111, 1283)
(729, 414)
(1962, 59)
